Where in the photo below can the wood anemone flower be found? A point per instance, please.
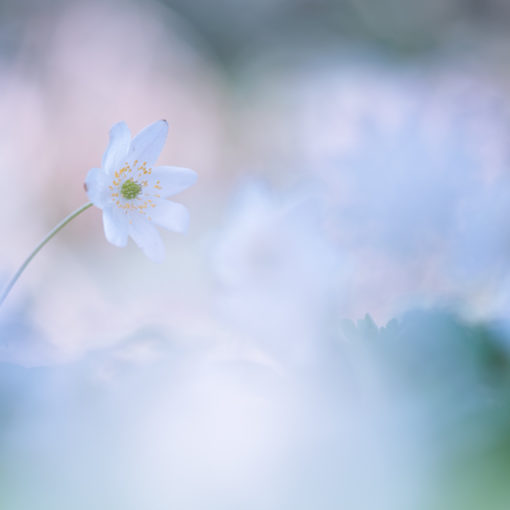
(132, 192)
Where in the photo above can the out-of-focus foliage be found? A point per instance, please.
(418, 410)
(453, 381)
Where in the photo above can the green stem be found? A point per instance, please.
(57, 229)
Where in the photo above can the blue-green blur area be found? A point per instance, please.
(333, 331)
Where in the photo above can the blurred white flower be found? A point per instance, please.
(276, 272)
(132, 194)
(413, 166)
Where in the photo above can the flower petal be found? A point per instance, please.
(96, 185)
(172, 179)
(146, 236)
(115, 226)
(117, 149)
(170, 215)
(147, 145)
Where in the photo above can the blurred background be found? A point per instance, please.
(334, 329)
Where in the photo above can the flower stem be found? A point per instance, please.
(50, 234)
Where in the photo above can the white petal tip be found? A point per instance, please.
(117, 125)
(182, 222)
(192, 175)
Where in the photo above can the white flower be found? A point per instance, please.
(132, 192)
